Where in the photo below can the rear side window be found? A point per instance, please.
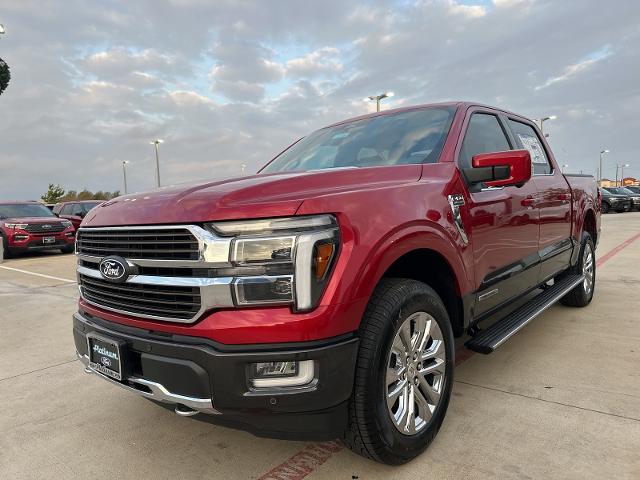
(529, 140)
(484, 135)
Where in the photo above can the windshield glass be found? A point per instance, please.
(17, 210)
(409, 137)
(620, 191)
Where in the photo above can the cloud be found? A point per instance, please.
(235, 82)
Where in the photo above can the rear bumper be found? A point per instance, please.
(193, 373)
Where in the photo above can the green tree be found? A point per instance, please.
(5, 75)
(54, 194)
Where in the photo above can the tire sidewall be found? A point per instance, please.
(587, 242)
(409, 446)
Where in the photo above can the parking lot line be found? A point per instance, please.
(612, 253)
(37, 274)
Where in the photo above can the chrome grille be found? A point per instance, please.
(161, 301)
(155, 244)
(40, 227)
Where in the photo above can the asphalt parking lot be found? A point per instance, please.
(559, 400)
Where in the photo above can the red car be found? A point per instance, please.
(320, 298)
(29, 226)
(75, 211)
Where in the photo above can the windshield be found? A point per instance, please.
(18, 210)
(409, 137)
(620, 191)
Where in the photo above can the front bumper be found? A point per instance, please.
(21, 240)
(196, 375)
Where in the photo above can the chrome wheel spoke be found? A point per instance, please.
(416, 368)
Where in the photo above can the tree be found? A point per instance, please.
(5, 75)
(54, 194)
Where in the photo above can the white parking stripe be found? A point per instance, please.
(38, 274)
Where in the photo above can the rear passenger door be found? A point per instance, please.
(553, 200)
(504, 225)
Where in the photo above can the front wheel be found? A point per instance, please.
(582, 294)
(404, 373)
(68, 249)
(605, 207)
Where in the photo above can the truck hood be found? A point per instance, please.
(256, 196)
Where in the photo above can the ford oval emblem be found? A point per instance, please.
(114, 269)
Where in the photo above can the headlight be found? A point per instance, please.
(67, 223)
(16, 225)
(281, 260)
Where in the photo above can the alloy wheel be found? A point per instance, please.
(587, 268)
(415, 373)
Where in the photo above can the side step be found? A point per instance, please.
(488, 340)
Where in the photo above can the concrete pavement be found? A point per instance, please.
(561, 399)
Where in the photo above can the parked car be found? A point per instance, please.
(633, 188)
(627, 193)
(28, 226)
(320, 298)
(75, 211)
(616, 201)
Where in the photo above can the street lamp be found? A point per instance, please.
(2, 30)
(542, 120)
(377, 98)
(563, 167)
(600, 169)
(124, 174)
(621, 167)
(157, 142)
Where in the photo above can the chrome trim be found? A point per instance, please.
(214, 292)
(455, 202)
(158, 392)
(489, 294)
(213, 250)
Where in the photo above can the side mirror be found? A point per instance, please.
(500, 169)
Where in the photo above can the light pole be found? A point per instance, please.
(2, 30)
(563, 167)
(542, 120)
(600, 169)
(155, 143)
(621, 167)
(124, 174)
(377, 98)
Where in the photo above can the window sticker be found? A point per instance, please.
(532, 144)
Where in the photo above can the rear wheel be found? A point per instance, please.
(582, 294)
(404, 373)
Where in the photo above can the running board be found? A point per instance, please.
(486, 341)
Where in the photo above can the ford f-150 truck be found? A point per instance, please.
(321, 297)
(30, 226)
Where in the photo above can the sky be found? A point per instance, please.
(227, 83)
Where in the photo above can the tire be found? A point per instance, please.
(68, 249)
(371, 431)
(7, 252)
(582, 294)
(605, 207)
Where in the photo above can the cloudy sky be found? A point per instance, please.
(232, 82)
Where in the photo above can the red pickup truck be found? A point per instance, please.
(321, 297)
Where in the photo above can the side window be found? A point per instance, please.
(77, 209)
(66, 210)
(528, 138)
(484, 135)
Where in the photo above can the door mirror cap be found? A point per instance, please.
(500, 169)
